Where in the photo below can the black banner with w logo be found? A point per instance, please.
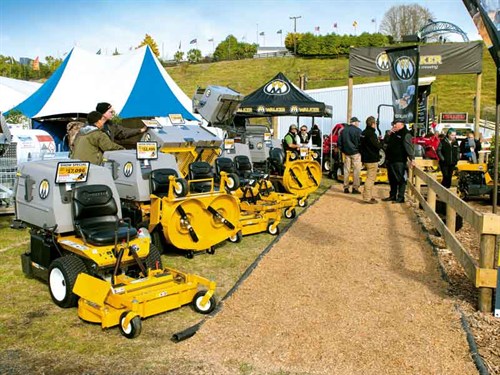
(404, 82)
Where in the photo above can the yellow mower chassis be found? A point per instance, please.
(163, 290)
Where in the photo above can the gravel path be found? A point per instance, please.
(351, 288)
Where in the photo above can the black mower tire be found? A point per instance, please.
(157, 240)
(190, 254)
(63, 272)
(274, 231)
(153, 258)
(236, 238)
(302, 203)
(134, 329)
(208, 308)
(290, 214)
(233, 182)
(181, 187)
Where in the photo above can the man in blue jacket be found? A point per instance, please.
(348, 143)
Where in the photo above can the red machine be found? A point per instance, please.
(430, 144)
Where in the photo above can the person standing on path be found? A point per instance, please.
(348, 143)
(370, 156)
(91, 142)
(399, 152)
(449, 154)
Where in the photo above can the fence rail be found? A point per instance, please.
(483, 274)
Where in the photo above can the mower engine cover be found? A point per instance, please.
(132, 175)
(41, 202)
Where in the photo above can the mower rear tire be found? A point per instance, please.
(62, 277)
(133, 329)
(156, 239)
(153, 258)
(209, 306)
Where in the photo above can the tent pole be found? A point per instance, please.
(477, 105)
(349, 98)
(495, 164)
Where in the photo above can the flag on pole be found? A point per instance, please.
(355, 24)
(211, 40)
(180, 45)
(193, 41)
(98, 52)
(335, 25)
(262, 33)
(279, 32)
(374, 20)
(36, 64)
(316, 28)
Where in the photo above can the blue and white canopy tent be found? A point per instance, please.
(136, 84)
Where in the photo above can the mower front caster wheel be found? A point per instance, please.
(209, 306)
(273, 230)
(290, 214)
(133, 328)
(236, 238)
(190, 254)
(211, 250)
(302, 202)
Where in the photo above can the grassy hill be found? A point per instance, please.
(454, 92)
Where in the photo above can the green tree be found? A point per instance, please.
(194, 56)
(148, 40)
(231, 49)
(178, 56)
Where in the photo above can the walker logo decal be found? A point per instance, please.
(294, 109)
(147, 137)
(404, 68)
(261, 109)
(128, 168)
(277, 87)
(44, 189)
(382, 62)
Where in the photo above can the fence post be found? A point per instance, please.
(431, 197)
(451, 218)
(418, 184)
(411, 180)
(486, 260)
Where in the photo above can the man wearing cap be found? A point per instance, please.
(114, 131)
(290, 141)
(348, 143)
(399, 152)
(91, 142)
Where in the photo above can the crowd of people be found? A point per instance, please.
(362, 147)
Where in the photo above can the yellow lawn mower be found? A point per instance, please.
(89, 255)
(190, 215)
(296, 172)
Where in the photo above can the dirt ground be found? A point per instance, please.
(351, 288)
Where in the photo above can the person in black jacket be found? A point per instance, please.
(315, 135)
(398, 153)
(370, 156)
(348, 143)
(448, 153)
(470, 147)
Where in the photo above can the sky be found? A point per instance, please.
(31, 28)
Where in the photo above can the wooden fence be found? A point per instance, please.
(483, 275)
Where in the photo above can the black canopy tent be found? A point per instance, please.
(280, 97)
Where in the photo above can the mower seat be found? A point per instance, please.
(159, 181)
(276, 160)
(95, 216)
(224, 165)
(197, 171)
(243, 166)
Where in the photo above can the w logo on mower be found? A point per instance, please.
(404, 68)
(277, 87)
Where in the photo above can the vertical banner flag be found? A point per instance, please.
(404, 82)
(486, 17)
